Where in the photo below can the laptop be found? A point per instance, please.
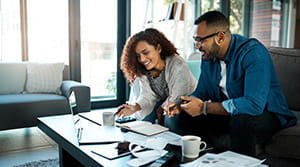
(72, 102)
(100, 135)
(93, 133)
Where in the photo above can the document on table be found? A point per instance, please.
(228, 159)
(169, 137)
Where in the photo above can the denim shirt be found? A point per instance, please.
(251, 82)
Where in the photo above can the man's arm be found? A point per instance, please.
(194, 107)
(216, 108)
(252, 87)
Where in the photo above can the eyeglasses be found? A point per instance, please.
(199, 39)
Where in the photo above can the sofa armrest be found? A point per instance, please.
(81, 92)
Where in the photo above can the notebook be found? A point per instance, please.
(143, 127)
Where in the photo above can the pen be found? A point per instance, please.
(79, 133)
(177, 104)
(119, 110)
(208, 149)
(77, 121)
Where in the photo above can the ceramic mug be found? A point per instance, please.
(108, 118)
(192, 146)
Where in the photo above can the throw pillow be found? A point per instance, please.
(13, 77)
(44, 77)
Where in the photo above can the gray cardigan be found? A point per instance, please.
(180, 82)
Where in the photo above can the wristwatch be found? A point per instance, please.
(204, 108)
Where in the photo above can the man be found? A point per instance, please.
(237, 93)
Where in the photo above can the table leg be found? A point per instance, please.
(66, 160)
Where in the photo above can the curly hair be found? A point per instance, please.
(129, 63)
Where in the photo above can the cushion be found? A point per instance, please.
(194, 66)
(12, 76)
(286, 62)
(285, 143)
(44, 77)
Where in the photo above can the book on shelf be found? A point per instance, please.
(143, 127)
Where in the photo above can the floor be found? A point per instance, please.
(19, 146)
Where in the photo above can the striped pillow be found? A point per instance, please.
(44, 77)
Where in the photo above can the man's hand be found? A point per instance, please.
(171, 110)
(193, 105)
(127, 110)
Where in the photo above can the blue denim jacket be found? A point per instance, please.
(251, 81)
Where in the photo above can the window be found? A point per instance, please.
(208, 5)
(48, 31)
(162, 16)
(98, 34)
(34, 30)
(236, 16)
(267, 22)
(10, 33)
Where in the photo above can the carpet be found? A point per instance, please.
(23, 139)
(41, 163)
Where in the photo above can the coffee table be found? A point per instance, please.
(63, 131)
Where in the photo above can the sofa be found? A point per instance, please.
(31, 90)
(284, 147)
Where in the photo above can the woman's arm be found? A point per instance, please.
(181, 81)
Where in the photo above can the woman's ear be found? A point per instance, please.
(158, 48)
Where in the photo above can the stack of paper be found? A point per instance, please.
(228, 159)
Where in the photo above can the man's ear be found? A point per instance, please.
(220, 38)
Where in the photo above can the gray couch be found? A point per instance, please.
(19, 109)
(284, 147)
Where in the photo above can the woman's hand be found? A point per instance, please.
(126, 110)
(172, 109)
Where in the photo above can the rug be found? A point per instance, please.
(23, 139)
(41, 163)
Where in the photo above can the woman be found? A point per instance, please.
(152, 60)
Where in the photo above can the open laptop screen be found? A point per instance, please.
(72, 102)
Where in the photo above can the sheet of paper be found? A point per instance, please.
(170, 137)
(245, 160)
(228, 159)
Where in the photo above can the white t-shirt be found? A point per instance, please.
(222, 83)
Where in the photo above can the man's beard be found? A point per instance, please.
(214, 52)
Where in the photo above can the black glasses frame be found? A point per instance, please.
(199, 39)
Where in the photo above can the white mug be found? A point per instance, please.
(192, 146)
(108, 118)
